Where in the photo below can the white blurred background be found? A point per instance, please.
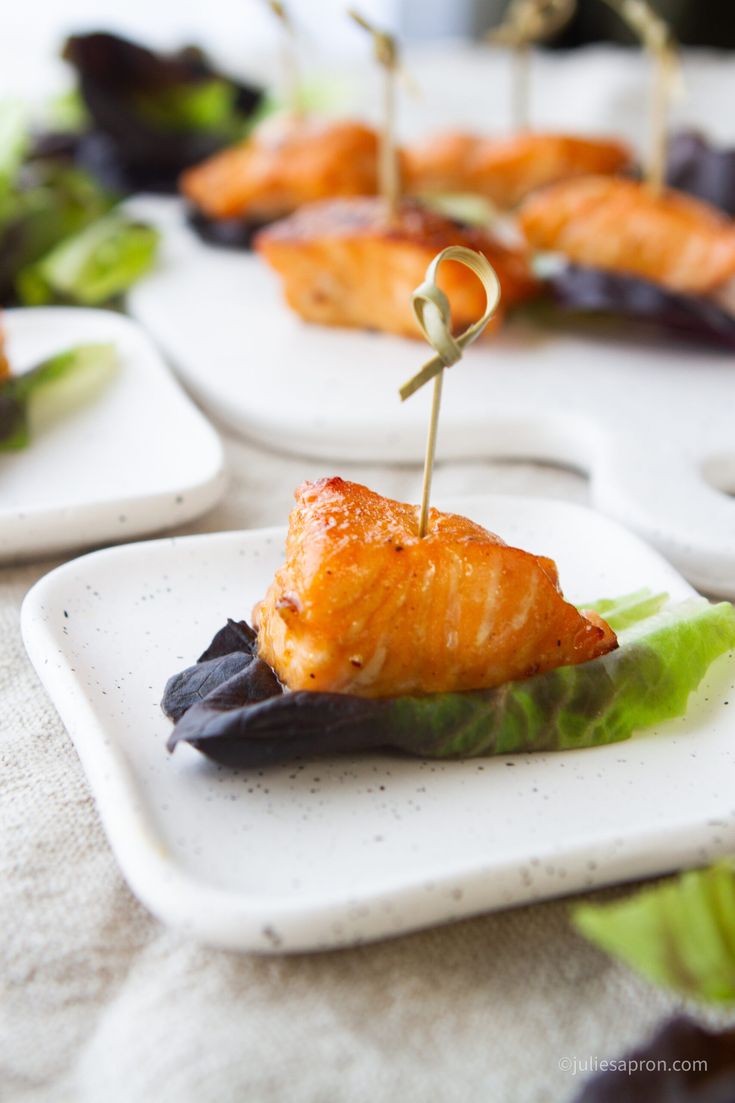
(244, 29)
(458, 81)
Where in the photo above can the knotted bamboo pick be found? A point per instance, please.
(434, 317)
(527, 22)
(657, 38)
(289, 63)
(386, 54)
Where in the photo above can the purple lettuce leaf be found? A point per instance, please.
(152, 114)
(697, 166)
(228, 233)
(592, 291)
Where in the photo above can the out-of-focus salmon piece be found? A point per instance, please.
(285, 163)
(506, 170)
(621, 225)
(362, 605)
(344, 263)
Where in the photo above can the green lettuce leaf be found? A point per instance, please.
(679, 934)
(470, 209)
(14, 142)
(662, 658)
(623, 612)
(52, 203)
(647, 680)
(92, 267)
(35, 398)
(207, 105)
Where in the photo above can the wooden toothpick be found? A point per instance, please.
(386, 54)
(434, 317)
(657, 38)
(289, 63)
(527, 22)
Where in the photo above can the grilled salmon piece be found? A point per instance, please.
(344, 263)
(621, 225)
(363, 606)
(285, 163)
(506, 170)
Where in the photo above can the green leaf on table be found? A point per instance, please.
(679, 934)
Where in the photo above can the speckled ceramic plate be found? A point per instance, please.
(136, 458)
(333, 852)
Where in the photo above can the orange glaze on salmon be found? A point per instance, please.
(506, 170)
(620, 225)
(285, 163)
(343, 263)
(363, 606)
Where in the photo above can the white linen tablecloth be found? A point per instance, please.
(100, 1003)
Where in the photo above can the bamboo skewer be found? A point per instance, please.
(656, 37)
(289, 63)
(528, 22)
(433, 314)
(386, 54)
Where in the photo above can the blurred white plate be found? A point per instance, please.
(343, 850)
(650, 422)
(136, 458)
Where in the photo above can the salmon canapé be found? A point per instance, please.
(363, 606)
(668, 238)
(346, 263)
(285, 163)
(506, 170)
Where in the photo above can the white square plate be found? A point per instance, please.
(332, 852)
(136, 458)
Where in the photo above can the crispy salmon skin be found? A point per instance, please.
(345, 263)
(621, 225)
(363, 606)
(506, 170)
(285, 163)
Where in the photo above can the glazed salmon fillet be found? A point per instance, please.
(284, 164)
(344, 263)
(506, 170)
(621, 225)
(363, 606)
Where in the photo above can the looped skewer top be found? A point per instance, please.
(384, 44)
(527, 22)
(433, 314)
(530, 21)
